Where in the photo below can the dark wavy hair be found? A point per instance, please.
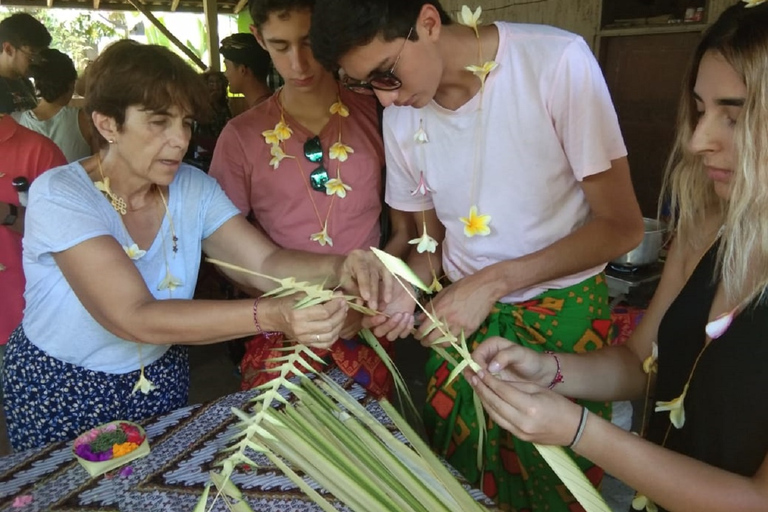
(261, 9)
(22, 29)
(342, 25)
(54, 74)
(128, 74)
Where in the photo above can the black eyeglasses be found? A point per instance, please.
(380, 80)
(313, 150)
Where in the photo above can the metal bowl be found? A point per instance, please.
(648, 251)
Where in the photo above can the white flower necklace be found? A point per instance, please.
(338, 151)
(475, 224)
(169, 282)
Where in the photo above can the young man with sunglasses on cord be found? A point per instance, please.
(529, 178)
(307, 165)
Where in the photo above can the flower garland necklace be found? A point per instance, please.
(169, 282)
(475, 224)
(338, 151)
(676, 406)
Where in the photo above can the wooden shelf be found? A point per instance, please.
(672, 28)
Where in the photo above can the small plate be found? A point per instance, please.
(99, 468)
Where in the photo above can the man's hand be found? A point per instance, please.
(463, 305)
(362, 273)
(396, 321)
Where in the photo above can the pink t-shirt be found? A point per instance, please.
(546, 123)
(28, 154)
(280, 198)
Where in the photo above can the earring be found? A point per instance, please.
(110, 141)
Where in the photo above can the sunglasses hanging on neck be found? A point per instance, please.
(313, 151)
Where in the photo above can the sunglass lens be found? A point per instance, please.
(318, 179)
(386, 82)
(313, 150)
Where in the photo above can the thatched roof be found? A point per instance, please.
(223, 6)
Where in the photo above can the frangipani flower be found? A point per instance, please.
(420, 137)
(642, 502)
(283, 131)
(476, 224)
(322, 237)
(340, 108)
(277, 156)
(752, 3)
(422, 187)
(103, 185)
(338, 187)
(270, 137)
(340, 151)
(435, 286)
(719, 325)
(650, 364)
(170, 282)
(143, 384)
(469, 18)
(482, 71)
(2, 267)
(676, 409)
(134, 252)
(425, 242)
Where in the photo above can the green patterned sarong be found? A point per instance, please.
(573, 319)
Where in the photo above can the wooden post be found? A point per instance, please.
(162, 28)
(212, 29)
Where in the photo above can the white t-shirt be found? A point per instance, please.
(546, 123)
(66, 209)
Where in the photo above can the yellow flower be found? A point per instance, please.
(270, 137)
(420, 137)
(642, 502)
(435, 287)
(118, 450)
(143, 384)
(650, 364)
(340, 108)
(340, 152)
(482, 71)
(283, 131)
(469, 18)
(476, 224)
(322, 237)
(676, 409)
(425, 242)
(170, 282)
(134, 252)
(277, 156)
(752, 3)
(338, 187)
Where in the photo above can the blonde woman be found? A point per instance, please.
(707, 447)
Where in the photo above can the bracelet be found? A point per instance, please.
(558, 378)
(582, 426)
(259, 330)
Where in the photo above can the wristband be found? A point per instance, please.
(582, 426)
(259, 330)
(558, 378)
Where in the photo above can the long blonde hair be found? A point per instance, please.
(740, 35)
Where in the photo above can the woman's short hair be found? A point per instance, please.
(54, 74)
(128, 74)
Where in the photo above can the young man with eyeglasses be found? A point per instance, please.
(22, 37)
(536, 157)
(288, 197)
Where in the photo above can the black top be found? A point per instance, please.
(16, 95)
(726, 407)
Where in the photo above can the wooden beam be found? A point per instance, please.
(162, 28)
(49, 3)
(96, 4)
(240, 6)
(212, 30)
(174, 5)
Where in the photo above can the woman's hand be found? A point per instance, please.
(528, 411)
(316, 326)
(396, 321)
(511, 362)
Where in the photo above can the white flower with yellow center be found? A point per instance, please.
(134, 252)
(143, 384)
(322, 237)
(753, 3)
(475, 224)
(277, 156)
(482, 71)
(340, 108)
(338, 187)
(676, 409)
(642, 502)
(340, 151)
(169, 282)
(420, 137)
(425, 242)
(469, 18)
